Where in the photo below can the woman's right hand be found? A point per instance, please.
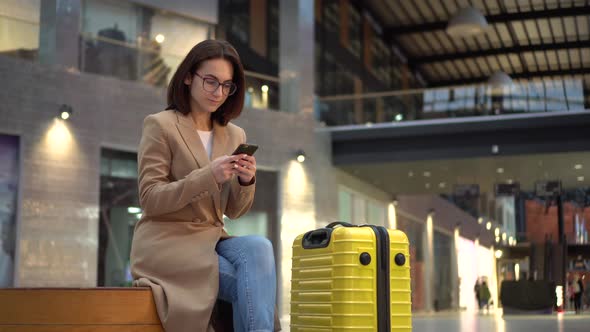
(224, 168)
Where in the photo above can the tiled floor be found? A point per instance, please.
(471, 322)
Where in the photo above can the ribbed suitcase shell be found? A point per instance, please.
(332, 291)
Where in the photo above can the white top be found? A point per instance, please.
(207, 140)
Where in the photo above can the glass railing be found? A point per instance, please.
(149, 64)
(19, 37)
(451, 102)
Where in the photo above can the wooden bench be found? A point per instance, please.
(78, 310)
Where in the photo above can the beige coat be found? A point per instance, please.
(173, 249)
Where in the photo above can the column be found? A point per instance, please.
(296, 55)
(455, 270)
(428, 249)
(60, 32)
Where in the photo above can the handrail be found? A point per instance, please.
(21, 19)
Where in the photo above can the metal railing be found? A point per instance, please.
(451, 102)
(145, 61)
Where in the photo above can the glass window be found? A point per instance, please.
(132, 42)
(119, 212)
(252, 223)
(240, 20)
(19, 28)
(377, 214)
(9, 175)
(273, 31)
(354, 30)
(331, 19)
(344, 205)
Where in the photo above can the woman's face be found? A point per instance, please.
(205, 98)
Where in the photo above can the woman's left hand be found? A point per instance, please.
(246, 168)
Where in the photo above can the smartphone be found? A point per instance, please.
(248, 149)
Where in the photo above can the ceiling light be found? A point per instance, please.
(427, 185)
(580, 178)
(410, 174)
(578, 166)
(427, 174)
(503, 236)
(510, 181)
(500, 170)
(264, 88)
(399, 117)
(498, 254)
(497, 239)
(498, 81)
(442, 185)
(497, 231)
(489, 225)
(467, 22)
(160, 38)
(480, 220)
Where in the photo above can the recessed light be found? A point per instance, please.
(580, 178)
(480, 220)
(427, 185)
(410, 174)
(578, 166)
(510, 181)
(427, 174)
(500, 170)
(442, 185)
(489, 225)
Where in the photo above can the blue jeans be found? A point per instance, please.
(247, 279)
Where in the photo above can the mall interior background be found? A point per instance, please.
(68, 195)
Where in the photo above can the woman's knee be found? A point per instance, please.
(256, 244)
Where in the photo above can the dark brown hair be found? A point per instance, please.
(179, 94)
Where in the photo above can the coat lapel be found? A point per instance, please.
(220, 139)
(191, 138)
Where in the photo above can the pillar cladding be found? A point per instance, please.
(296, 55)
(59, 38)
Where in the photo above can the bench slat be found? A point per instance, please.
(84, 328)
(91, 306)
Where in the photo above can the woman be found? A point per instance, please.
(188, 180)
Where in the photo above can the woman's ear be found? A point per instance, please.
(188, 80)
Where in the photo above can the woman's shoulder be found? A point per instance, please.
(165, 116)
(235, 131)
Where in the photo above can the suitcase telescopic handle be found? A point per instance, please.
(339, 223)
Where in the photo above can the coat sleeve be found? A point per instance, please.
(158, 194)
(240, 197)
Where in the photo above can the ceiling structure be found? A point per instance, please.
(440, 176)
(527, 39)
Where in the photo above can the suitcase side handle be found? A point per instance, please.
(339, 223)
(319, 238)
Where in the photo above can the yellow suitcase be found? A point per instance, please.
(351, 278)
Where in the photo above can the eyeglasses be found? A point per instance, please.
(211, 85)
